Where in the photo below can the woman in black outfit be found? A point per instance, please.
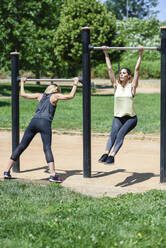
(41, 123)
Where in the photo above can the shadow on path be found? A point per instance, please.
(65, 174)
(128, 181)
(36, 169)
(136, 178)
(103, 174)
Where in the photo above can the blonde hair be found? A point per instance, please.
(53, 88)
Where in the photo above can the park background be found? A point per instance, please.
(47, 35)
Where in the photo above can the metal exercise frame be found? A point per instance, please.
(57, 80)
(15, 79)
(87, 47)
(122, 48)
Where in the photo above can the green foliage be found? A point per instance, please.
(146, 33)
(100, 71)
(136, 32)
(28, 27)
(149, 69)
(53, 216)
(135, 8)
(67, 38)
(36, 28)
(68, 114)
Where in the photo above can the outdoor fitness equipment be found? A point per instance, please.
(122, 48)
(15, 101)
(57, 80)
(87, 47)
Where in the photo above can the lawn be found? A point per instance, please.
(69, 113)
(45, 216)
(52, 216)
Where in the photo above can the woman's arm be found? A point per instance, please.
(71, 94)
(26, 95)
(136, 72)
(109, 66)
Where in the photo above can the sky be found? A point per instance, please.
(162, 8)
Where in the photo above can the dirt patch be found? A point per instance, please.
(103, 86)
(136, 168)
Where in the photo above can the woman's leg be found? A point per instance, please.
(116, 125)
(129, 124)
(46, 135)
(27, 138)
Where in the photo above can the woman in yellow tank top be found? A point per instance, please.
(125, 118)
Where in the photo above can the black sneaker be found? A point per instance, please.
(7, 175)
(56, 179)
(110, 160)
(103, 158)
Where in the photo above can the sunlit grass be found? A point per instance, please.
(69, 114)
(52, 216)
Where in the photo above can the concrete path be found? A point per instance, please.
(136, 169)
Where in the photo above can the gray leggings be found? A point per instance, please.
(41, 126)
(120, 127)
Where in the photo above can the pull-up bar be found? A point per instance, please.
(51, 80)
(87, 47)
(123, 48)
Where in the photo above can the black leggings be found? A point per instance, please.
(41, 126)
(120, 127)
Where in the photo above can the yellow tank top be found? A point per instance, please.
(124, 101)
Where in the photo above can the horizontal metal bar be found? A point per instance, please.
(123, 48)
(50, 80)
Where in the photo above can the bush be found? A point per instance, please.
(136, 32)
(149, 69)
(99, 71)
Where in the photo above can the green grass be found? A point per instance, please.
(69, 113)
(51, 216)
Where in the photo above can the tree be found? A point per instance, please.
(142, 32)
(132, 8)
(28, 27)
(146, 33)
(67, 38)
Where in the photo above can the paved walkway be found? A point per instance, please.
(136, 169)
(103, 86)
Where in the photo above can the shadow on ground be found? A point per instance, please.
(136, 178)
(128, 181)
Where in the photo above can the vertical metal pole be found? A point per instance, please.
(15, 106)
(86, 103)
(163, 107)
